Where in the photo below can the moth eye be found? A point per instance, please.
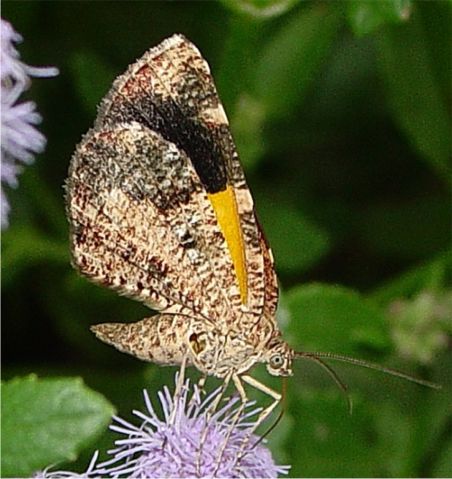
(276, 361)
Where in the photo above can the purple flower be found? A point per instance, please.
(20, 140)
(188, 440)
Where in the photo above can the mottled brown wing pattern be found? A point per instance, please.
(271, 281)
(171, 90)
(157, 339)
(151, 238)
(140, 219)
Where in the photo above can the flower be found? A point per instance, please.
(20, 140)
(189, 440)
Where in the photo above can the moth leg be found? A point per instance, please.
(197, 398)
(218, 399)
(178, 390)
(263, 415)
(210, 411)
(266, 390)
(201, 383)
(181, 376)
(243, 400)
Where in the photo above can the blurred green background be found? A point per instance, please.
(341, 114)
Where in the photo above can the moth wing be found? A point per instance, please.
(271, 281)
(142, 224)
(171, 91)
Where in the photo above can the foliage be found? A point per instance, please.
(341, 114)
(48, 420)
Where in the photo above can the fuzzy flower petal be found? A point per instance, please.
(20, 140)
(186, 440)
(190, 442)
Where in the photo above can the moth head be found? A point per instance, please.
(278, 358)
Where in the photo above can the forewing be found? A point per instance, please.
(271, 281)
(171, 91)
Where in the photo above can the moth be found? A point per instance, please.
(160, 211)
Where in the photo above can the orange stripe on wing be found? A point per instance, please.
(225, 207)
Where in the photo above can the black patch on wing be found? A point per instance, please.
(166, 118)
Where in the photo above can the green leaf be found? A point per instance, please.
(93, 78)
(296, 242)
(336, 319)
(414, 93)
(260, 9)
(45, 421)
(292, 56)
(366, 16)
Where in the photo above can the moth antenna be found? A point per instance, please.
(332, 373)
(281, 413)
(370, 365)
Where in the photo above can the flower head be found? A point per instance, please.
(187, 440)
(20, 140)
